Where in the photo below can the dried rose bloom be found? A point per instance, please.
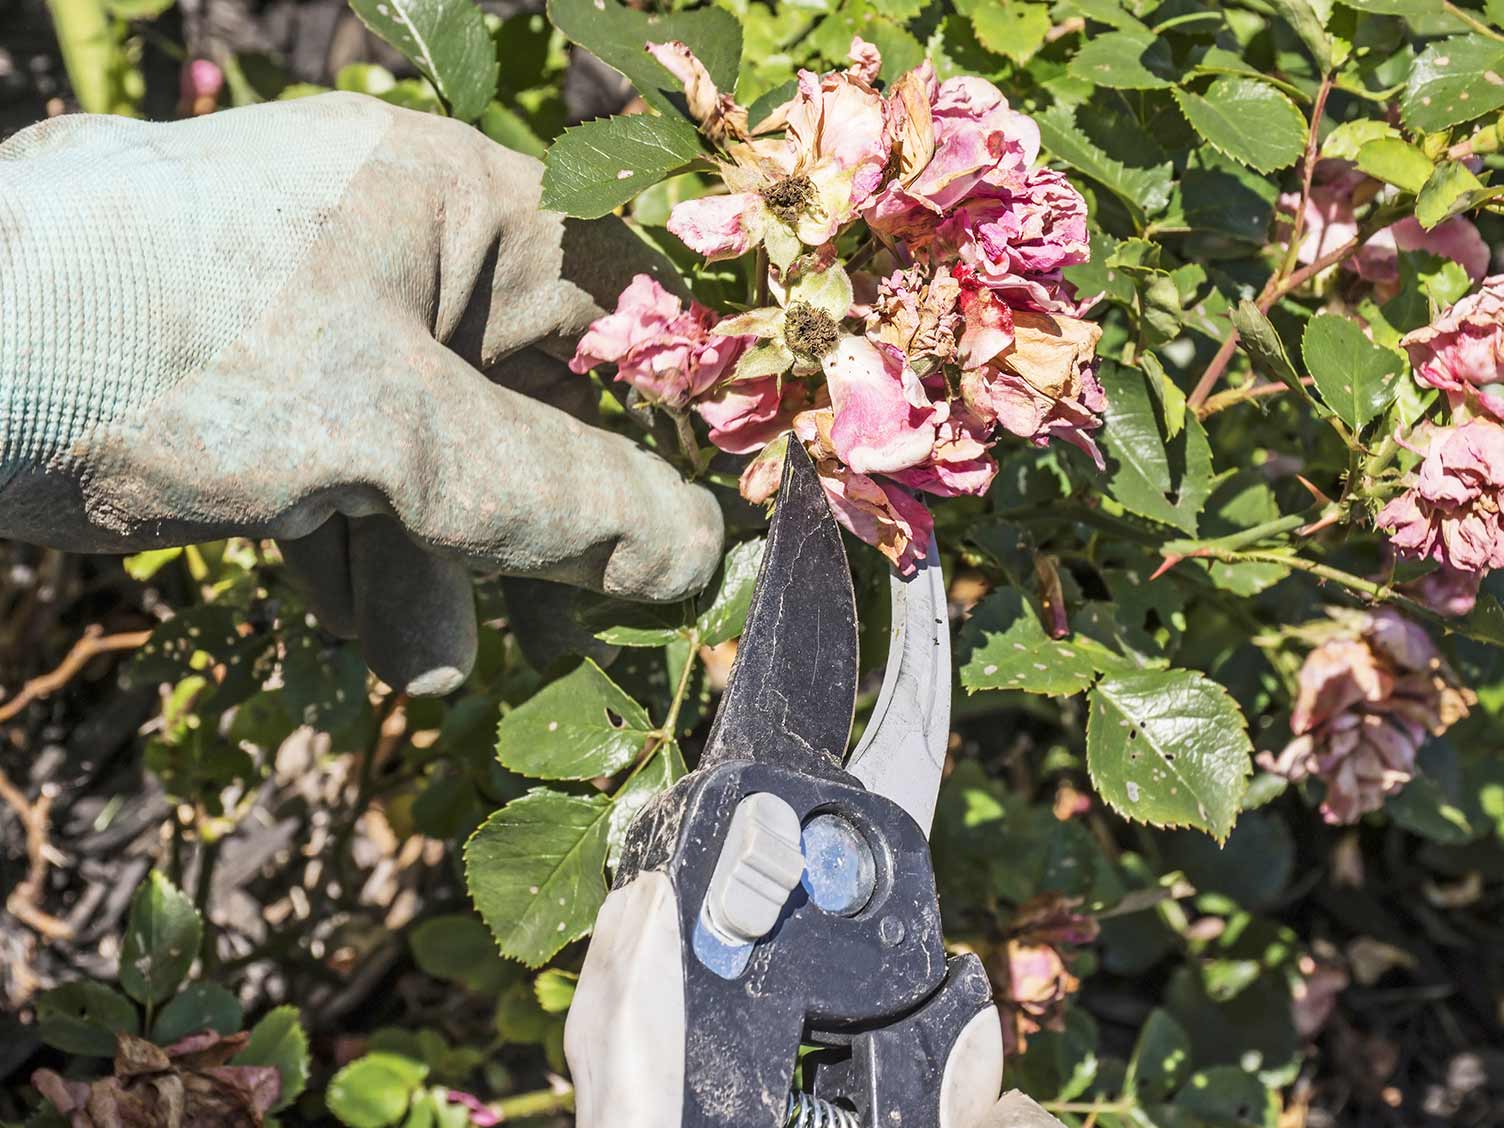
(1450, 512)
(186, 1085)
(1447, 591)
(1030, 968)
(718, 114)
(667, 353)
(1368, 697)
(917, 312)
(1462, 351)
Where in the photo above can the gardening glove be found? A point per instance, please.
(280, 322)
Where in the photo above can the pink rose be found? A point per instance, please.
(959, 464)
(1450, 512)
(1378, 259)
(865, 59)
(200, 85)
(1368, 696)
(718, 115)
(884, 420)
(1447, 591)
(1329, 222)
(1462, 352)
(748, 413)
(917, 313)
(666, 353)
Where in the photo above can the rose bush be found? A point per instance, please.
(1179, 325)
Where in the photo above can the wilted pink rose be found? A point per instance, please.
(1368, 696)
(748, 413)
(665, 352)
(1016, 243)
(799, 188)
(884, 420)
(988, 331)
(1329, 221)
(1378, 259)
(959, 464)
(916, 312)
(950, 138)
(866, 61)
(1447, 591)
(200, 85)
(1462, 351)
(1044, 385)
(1314, 995)
(1450, 513)
(718, 115)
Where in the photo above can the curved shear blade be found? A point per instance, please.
(792, 690)
(902, 753)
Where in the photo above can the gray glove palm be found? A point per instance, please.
(274, 322)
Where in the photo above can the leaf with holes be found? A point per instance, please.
(1357, 378)
(1004, 646)
(1453, 81)
(1247, 120)
(1169, 748)
(446, 40)
(600, 165)
(161, 940)
(1126, 60)
(581, 726)
(665, 769)
(536, 871)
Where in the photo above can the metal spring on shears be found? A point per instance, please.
(806, 1111)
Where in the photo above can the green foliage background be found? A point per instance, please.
(1183, 122)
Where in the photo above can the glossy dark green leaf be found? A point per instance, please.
(1141, 473)
(198, 1006)
(1161, 1057)
(1004, 646)
(161, 940)
(83, 1017)
(1169, 748)
(1357, 378)
(536, 871)
(278, 1040)
(446, 40)
(581, 726)
(1454, 80)
(1126, 60)
(596, 167)
(1247, 120)
(1144, 191)
(727, 613)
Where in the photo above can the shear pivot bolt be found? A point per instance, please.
(840, 872)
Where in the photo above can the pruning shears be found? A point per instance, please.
(782, 896)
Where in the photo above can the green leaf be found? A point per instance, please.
(617, 35)
(1412, 9)
(555, 990)
(458, 948)
(581, 726)
(446, 40)
(175, 647)
(1229, 1096)
(596, 167)
(83, 1017)
(1126, 60)
(144, 565)
(1161, 1058)
(1347, 140)
(1308, 18)
(1004, 646)
(536, 871)
(506, 127)
(161, 940)
(1357, 378)
(1396, 162)
(374, 1091)
(324, 686)
(726, 616)
(1013, 28)
(278, 1040)
(665, 769)
(1170, 483)
(1453, 81)
(137, 9)
(1249, 121)
(1267, 349)
(1451, 190)
(198, 1006)
(1145, 191)
(1169, 748)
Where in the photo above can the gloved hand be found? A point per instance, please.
(275, 321)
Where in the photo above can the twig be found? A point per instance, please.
(1313, 146)
(1234, 396)
(527, 1105)
(92, 644)
(1472, 21)
(22, 902)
